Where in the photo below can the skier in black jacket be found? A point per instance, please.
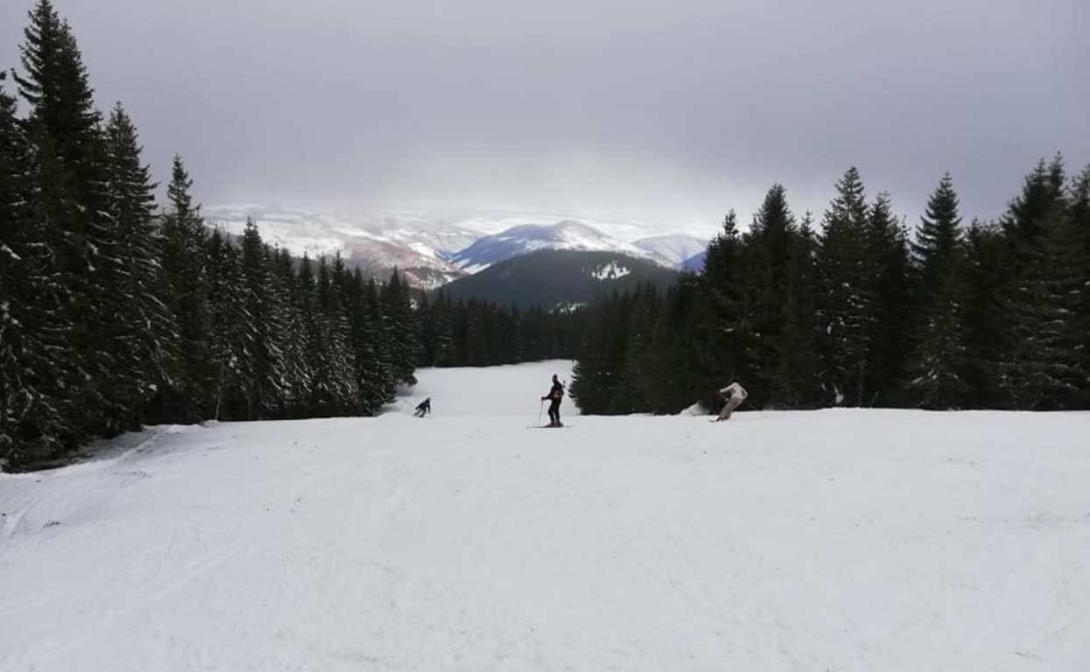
(554, 396)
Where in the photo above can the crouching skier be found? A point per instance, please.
(556, 393)
(423, 408)
(735, 394)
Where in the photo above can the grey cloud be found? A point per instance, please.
(665, 111)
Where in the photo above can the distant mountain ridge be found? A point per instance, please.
(559, 279)
(673, 250)
(432, 251)
(526, 238)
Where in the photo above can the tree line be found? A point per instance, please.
(480, 333)
(114, 312)
(861, 313)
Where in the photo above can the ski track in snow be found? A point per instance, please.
(840, 539)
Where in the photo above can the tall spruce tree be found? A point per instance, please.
(1043, 367)
(846, 272)
(776, 274)
(939, 361)
(262, 385)
(796, 381)
(182, 253)
(296, 378)
(892, 307)
(363, 348)
(346, 391)
(34, 407)
(381, 372)
(727, 339)
(985, 320)
(228, 315)
(65, 130)
(936, 247)
(140, 325)
(400, 329)
(764, 284)
(1033, 369)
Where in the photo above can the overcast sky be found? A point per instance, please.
(670, 111)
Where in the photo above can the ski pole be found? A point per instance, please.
(539, 410)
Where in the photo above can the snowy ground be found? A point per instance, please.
(832, 540)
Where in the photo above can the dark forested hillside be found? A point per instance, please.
(559, 278)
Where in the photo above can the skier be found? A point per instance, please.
(735, 394)
(423, 408)
(554, 396)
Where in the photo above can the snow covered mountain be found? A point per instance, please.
(518, 240)
(416, 245)
(555, 279)
(432, 250)
(672, 250)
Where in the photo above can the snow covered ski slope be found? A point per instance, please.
(831, 540)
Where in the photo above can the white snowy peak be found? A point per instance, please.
(672, 250)
(525, 238)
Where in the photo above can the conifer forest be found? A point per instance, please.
(118, 309)
(862, 310)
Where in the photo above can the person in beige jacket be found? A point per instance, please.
(735, 395)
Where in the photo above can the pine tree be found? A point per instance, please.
(318, 352)
(726, 341)
(64, 128)
(346, 391)
(890, 334)
(262, 387)
(940, 356)
(796, 378)
(289, 335)
(381, 376)
(228, 318)
(182, 252)
(1034, 369)
(846, 309)
(938, 238)
(763, 283)
(985, 319)
(34, 409)
(369, 397)
(1041, 369)
(399, 315)
(140, 326)
(776, 279)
